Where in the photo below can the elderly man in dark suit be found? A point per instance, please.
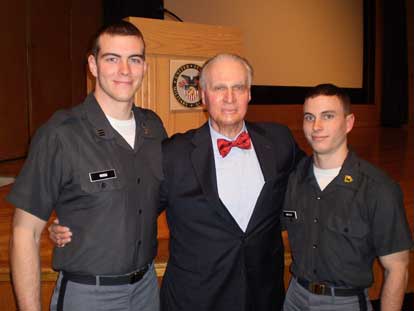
(223, 192)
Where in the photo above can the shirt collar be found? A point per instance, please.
(216, 135)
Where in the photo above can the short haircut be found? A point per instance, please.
(218, 57)
(328, 89)
(120, 28)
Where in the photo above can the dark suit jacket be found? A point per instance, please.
(213, 264)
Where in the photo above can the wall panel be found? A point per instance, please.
(14, 132)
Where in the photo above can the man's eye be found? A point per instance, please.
(308, 118)
(136, 60)
(219, 88)
(328, 116)
(111, 59)
(239, 87)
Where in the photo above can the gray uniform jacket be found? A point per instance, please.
(105, 191)
(335, 234)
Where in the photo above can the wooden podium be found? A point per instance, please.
(166, 41)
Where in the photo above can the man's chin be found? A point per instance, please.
(124, 98)
(319, 151)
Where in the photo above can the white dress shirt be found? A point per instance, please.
(239, 179)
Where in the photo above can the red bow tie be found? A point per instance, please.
(242, 141)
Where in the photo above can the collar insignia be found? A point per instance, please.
(145, 128)
(348, 179)
(100, 132)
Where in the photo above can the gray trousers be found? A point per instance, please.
(141, 296)
(300, 299)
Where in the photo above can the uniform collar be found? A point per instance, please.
(347, 177)
(101, 126)
(95, 115)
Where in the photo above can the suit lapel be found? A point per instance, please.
(264, 151)
(266, 155)
(202, 159)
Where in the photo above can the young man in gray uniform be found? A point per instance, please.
(341, 213)
(98, 166)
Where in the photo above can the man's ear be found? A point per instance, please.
(93, 66)
(145, 67)
(203, 97)
(350, 120)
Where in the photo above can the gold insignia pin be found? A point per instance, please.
(144, 127)
(348, 179)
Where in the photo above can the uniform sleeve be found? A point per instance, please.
(390, 227)
(36, 189)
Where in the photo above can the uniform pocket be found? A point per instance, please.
(291, 218)
(355, 229)
(293, 222)
(100, 181)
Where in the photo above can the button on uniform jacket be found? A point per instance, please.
(213, 264)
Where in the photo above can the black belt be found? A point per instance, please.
(323, 289)
(129, 278)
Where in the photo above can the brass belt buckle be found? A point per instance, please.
(318, 289)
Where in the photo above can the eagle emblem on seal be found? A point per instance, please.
(185, 85)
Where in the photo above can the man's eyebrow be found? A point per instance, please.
(305, 113)
(136, 55)
(110, 54)
(118, 55)
(216, 84)
(328, 111)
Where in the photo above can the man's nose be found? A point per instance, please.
(317, 125)
(124, 67)
(229, 95)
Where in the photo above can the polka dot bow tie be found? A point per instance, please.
(242, 141)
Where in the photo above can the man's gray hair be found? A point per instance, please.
(223, 56)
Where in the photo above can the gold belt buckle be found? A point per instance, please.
(318, 289)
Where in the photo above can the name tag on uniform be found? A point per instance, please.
(102, 175)
(290, 214)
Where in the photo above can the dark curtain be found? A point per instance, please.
(115, 10)
(394, 110)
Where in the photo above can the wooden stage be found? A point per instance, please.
(388, 148)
